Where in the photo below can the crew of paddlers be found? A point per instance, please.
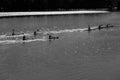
(51, 36)
(100, 27)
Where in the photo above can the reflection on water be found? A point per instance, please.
(75, 56)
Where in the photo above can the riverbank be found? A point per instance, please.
(10, 14)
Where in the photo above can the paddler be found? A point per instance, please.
(35, 33)
(24, 37)
(99, 27)
(13, 32)
(89, 28)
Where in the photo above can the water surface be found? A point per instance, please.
(84, 55)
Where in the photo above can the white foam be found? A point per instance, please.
(71, 30)
(15, 36)
(22, 41)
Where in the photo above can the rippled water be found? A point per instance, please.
(85, 55)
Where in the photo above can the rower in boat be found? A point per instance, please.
(89, 28)
(38, 30)
(52, 37)
(13, 32)
(56, 37)
(24, 37)
(107, 26)
(99, 27)
(35, 33)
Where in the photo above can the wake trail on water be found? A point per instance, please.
(21, 41)
(11, 39)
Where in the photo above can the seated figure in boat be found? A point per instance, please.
(24, 37)
(89, 28)
(108, 26)
(100, 27)
(35, 33)
(13, 32)
(52, 37)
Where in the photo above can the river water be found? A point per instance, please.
(76, 55)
